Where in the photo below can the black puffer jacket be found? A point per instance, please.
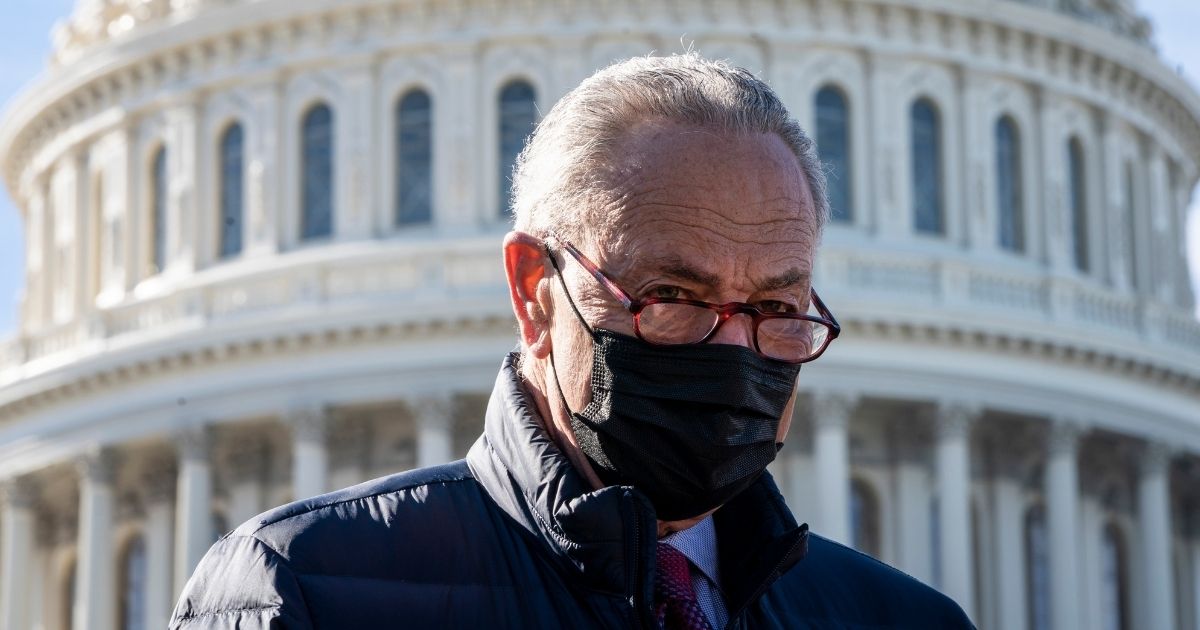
(513, 537)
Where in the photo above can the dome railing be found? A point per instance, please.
(1073, 309)
(370, 276)
(427, 278)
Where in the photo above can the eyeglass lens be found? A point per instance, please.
(781, 338)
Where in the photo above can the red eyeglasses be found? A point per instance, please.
(788, 337)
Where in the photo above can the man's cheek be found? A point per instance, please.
(785, 423)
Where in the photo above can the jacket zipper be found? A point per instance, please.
(766, 583)
(638, 605)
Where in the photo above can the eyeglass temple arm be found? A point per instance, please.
(824, 311)
(604, 280)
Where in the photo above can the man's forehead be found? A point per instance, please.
(724, 180)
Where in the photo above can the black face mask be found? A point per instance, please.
(690, 426)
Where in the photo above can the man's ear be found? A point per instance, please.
(525, 266)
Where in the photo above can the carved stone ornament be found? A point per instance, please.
(193, 443)
(19, 492)
(954, 420)
(1155, 458)
(1063, 437)
(97, 466)
(432, 408)
(309, 422)
(833, 409)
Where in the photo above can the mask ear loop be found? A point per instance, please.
(558, 272)
(578, 315)
(585, 436)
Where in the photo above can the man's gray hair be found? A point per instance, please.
(560, 182)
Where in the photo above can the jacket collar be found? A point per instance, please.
(607, 536)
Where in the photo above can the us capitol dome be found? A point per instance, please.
(263, 262)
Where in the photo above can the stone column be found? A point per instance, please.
(1181, 200)
(130, 178)
(160, 491)
(310, 458)
(1161, 240)
(16, 553)
(1056, 244)
(1091, 524)
(797, 465)
(1195, 558)
(94, 574)
(85, 240)
(1062, 521)
(977, 164)
(831, 419)
(954, 503)
(353, 129)
(34, 304)
(183, 226)
(246, 459)
(912, 503)
(263, 182)
(193, 504)
(435, 430)
(1009, 543)
(893, 213)
(1112, 203)
(459, 193)
(1154, 517)
(350, 452)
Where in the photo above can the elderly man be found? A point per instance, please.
(667, 215)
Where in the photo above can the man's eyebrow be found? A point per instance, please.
(675, 267)
(686, 272)
(787, 279)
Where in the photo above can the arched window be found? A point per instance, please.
(1077, 202)
(133, 585)
(928, 216)
(316, 219)
(833, 143)
(1127, 225)
(864, 518)
(414, 159)
(158, 210)
(1114, 607)
(1037, 569)
(232, 174)
(1010, 212)
(518, 113)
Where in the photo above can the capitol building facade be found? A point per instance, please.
(263, 262)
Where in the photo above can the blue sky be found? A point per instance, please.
(24, 49)
(25, 45)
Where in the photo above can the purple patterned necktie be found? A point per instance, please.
(675, 604)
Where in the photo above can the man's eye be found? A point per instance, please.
(775, 306)
(665, 291)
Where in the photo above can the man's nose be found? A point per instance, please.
(738, 330)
